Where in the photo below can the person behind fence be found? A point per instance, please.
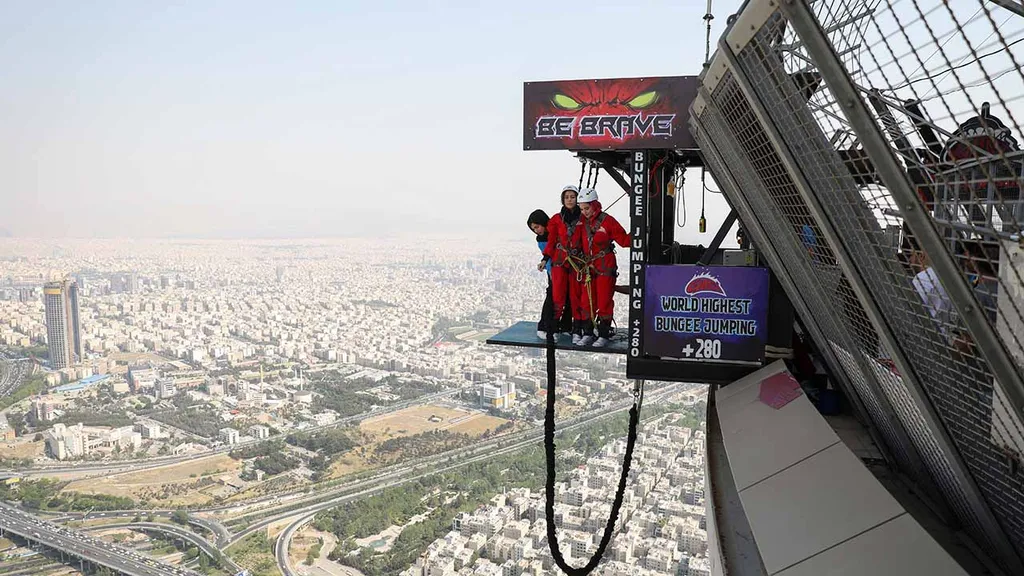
(600, 231)
(983, 276)
(562, 256)
(929, 289)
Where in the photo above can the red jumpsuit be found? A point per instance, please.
(599, 232)
(562, 241)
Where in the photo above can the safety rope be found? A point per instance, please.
(702, 224)
(591, 170)
(623, 195)
(583, 276)
(549, 452)
(655, 187)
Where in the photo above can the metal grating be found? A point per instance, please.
(846, 372)
(783, 212)
(931, 127)
(819, 304)
(841, 201)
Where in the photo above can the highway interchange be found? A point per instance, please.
(307, 514)
(196, 540)
(79, 545)
(298, 509)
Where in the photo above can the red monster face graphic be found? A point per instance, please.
(608, 114)
(704, 283)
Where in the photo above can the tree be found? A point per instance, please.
(180, 516)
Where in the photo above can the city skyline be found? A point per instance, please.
(218, 379)
(267, 306)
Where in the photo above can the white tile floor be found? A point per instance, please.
(896, 548)
(816, 504)
(812, 505)
(761, 440)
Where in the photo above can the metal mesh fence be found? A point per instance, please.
(782, 236)
(864, 239)
(854, 340)
(942, 83)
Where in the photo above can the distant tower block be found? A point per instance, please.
(63, 327)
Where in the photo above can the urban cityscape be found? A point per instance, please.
(318, 407)
(268, 306)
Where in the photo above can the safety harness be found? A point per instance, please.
(595, 259)
(567, 250)
(583, 271)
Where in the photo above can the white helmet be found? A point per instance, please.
(587, 195)
(570, 187)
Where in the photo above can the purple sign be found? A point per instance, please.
(706, 314)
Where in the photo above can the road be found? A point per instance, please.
(428, 465)
(306, 514)
(325, 499)
(297, 510)
(76, 544)
(109, 468)
(12, 372)
(221, 535)
(202, 543)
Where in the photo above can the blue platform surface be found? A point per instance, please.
(524, 334)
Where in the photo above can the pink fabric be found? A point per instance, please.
(779, 390)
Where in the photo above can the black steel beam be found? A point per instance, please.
(719, 238)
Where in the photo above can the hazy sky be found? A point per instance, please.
(262, 119)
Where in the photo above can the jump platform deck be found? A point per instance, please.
(524, 335)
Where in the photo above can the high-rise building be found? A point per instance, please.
(166, 388)
(43, 409)
(229, 435)
(63, 323)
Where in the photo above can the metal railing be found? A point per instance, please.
(871, 149)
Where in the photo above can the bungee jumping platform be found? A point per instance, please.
(524, 335)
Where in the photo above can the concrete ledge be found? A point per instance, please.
(812, 507)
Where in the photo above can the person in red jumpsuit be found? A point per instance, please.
(600, 231)
(563, 250)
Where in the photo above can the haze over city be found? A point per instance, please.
(251, 256)
(231, 119)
